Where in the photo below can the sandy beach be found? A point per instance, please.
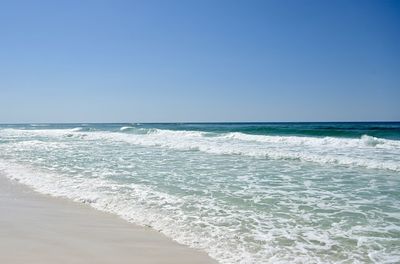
(36, 228)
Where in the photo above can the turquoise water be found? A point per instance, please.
(242, 192)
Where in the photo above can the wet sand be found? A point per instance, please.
(36, 228)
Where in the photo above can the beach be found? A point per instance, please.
(229, 132)
(37, 228)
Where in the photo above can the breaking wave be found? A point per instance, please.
(125, 128)
(369, 152)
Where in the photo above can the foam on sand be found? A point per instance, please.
(39, 229)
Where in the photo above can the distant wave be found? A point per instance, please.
(37, 125)
(125, 128)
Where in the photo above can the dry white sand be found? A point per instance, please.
(36, 228)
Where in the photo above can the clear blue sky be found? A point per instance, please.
(147, 61)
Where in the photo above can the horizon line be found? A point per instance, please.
(202, 122)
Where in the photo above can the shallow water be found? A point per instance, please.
(245, 193)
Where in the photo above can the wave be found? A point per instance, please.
(364, 141)
(369, 152)
(125, 128)
(38, 125)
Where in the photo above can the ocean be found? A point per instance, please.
(242, 192)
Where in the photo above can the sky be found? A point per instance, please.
(199, 61)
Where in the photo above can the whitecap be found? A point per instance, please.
(125, 128)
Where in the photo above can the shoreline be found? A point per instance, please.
(37, 228)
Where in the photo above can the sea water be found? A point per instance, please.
(242, 192)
